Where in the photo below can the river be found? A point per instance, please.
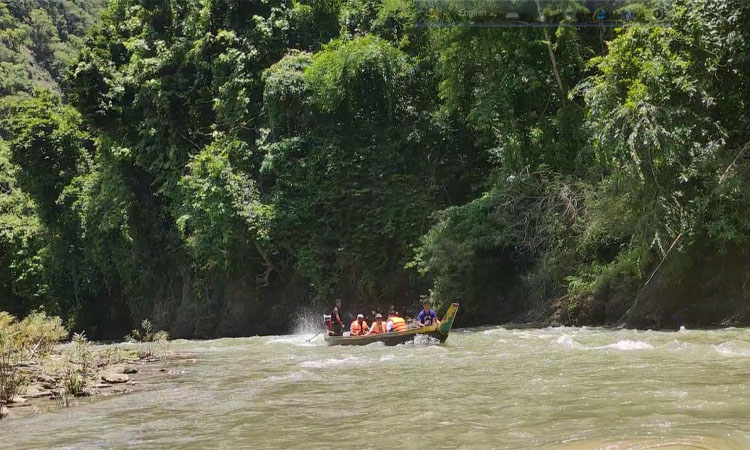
(485, 388)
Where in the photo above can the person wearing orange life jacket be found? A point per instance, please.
(378, 327)
(395, 323)
(358, 327)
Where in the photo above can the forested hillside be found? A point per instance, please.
(38, 39)
(216, 165)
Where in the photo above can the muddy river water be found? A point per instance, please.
(564, 388)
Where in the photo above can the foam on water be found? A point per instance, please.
(300, 340)
(567, 341)
(423, 340)
(328, 362)
(628, 345)
(732, 349)
(495, 331)
(294, 376)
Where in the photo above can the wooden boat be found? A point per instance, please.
(439, 332)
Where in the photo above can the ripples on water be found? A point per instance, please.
(564, 388)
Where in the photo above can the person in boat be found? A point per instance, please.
(338, 324)
(359, 326)
(427, 316)
(378, 327)
(395, 323)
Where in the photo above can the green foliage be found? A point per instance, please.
(285, 98)
(49, 148)
(73, 384)
(659, 149)
(666, 106)
(22, 285)
(516, 236)
(49, 145)
(220, 207)
(359, 76)
(224, 161)
(313, 22)
(175, 94)
(38, 38)
(356, 166)
(502, 82)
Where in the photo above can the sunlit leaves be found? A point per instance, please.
(657, 121)
(219, 207)
(363, 75)
(48, 143)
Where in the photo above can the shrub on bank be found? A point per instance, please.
(148, 337)
(79, 366)
(32, 337)
(37, 333)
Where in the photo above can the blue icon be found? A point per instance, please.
(600, 14)
(628, 15)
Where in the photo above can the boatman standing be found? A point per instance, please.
(427, 316)
(338, 324)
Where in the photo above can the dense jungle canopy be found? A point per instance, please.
(218, 165)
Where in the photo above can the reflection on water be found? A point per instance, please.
(565, 388)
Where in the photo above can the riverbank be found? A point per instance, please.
(52, 382)
(696, 290)
(38, 373)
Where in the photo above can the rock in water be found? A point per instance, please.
(115, 378)
(37, 391)
(45, 378)
(123, 369)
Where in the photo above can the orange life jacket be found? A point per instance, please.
(374, 329)
(399, 324)
(355, 329)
